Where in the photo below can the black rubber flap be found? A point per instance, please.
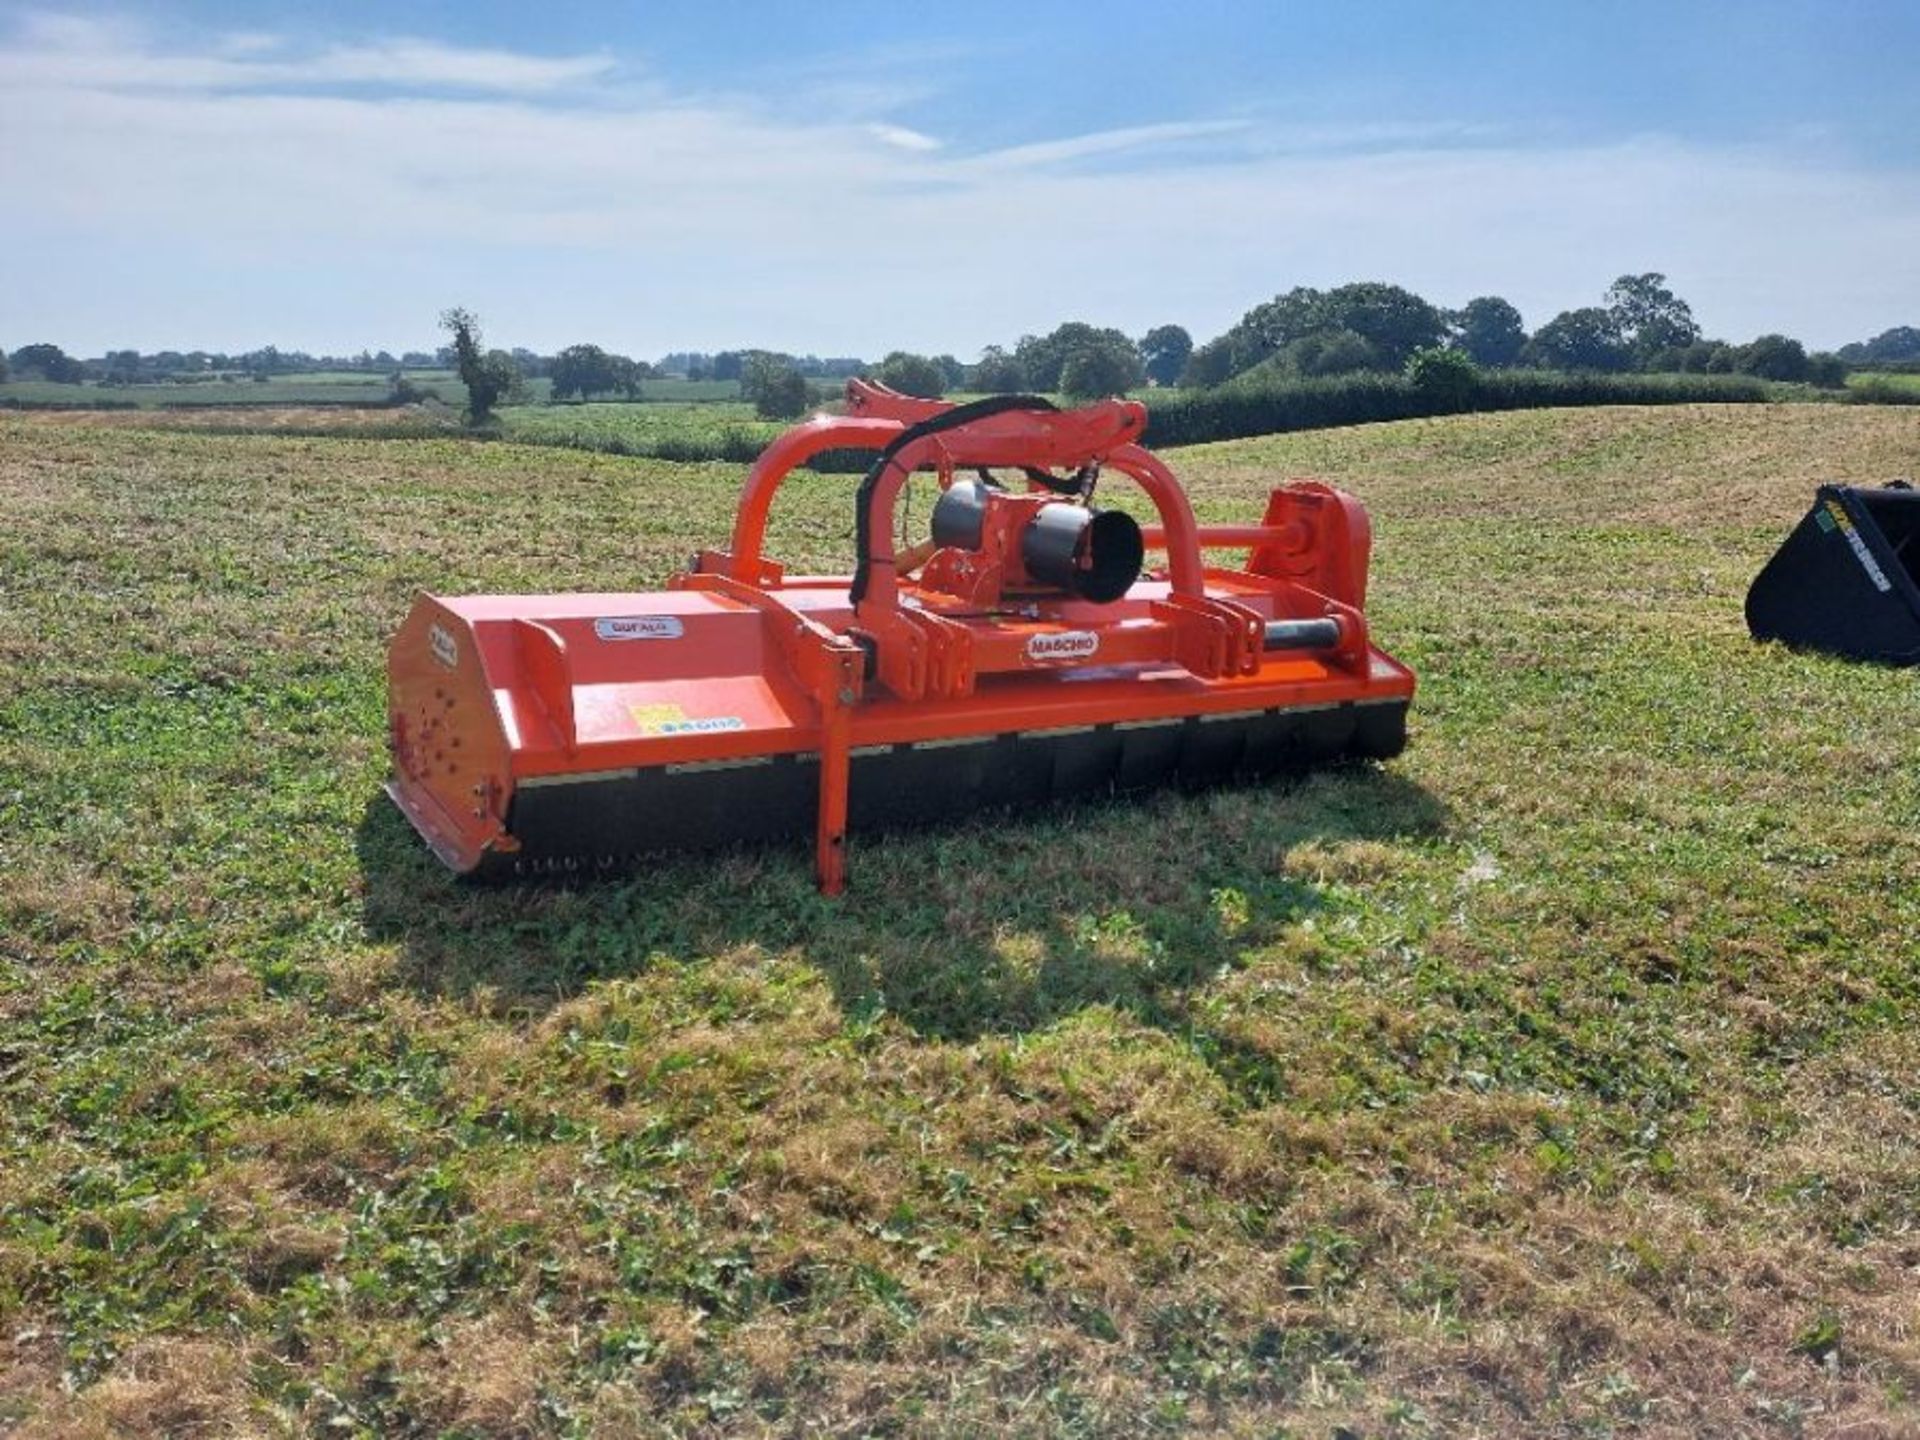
(603, 822)
(1847, 580)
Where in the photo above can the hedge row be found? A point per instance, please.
(14, 402)
(1233, 413)
(1882, 392)
(728, 447)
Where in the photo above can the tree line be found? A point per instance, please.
(1640, 325)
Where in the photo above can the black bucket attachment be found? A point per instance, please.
(1847, 580)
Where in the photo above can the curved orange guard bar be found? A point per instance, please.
(1010, 438)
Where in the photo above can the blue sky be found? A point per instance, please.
(854, 178)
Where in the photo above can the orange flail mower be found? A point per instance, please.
(1020, 655)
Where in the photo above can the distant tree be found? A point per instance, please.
(1773, 357)
(1886, 348)
(728, 365)
(1269, 327)
(1699, 358)
(49, 362)
(1826, 371)
(633, 375)
(1651, 319)
(1210, 364)
(951, 371)
(577, 370)
(997, 373)
(1165, 350)
(912, 375)
(1094, 372)
(488, 375)
(122, 367)
(1489, 331)
(1585, 339)
(1394, 321)
(586, 370)
(756, 368)
(775, 386)
(1330, 352)
(3, 364)
(512, 384)
(1446, 377)
(1044, 357)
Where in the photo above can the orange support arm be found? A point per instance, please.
(795, 447)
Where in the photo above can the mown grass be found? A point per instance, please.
(1555, 1079)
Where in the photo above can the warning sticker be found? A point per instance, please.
(440, 641)
(639, 627)
(1844, 523)
(672, 720)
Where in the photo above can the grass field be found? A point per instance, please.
(1557, 1079)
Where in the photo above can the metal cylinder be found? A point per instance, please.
(1320, 634)
(960, 514)
(1094, 554)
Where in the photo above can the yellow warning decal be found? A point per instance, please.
(672, 720)
(1859, 546)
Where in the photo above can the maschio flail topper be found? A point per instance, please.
(1019, 656)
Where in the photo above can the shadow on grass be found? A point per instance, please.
(987, 927)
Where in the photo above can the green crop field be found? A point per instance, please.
(316, 388)
(675, 391)
(1888, 380)
(664, 431)
(1558, 1078)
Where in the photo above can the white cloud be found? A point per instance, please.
(901, 138)
(248, 42)
(156, 198)
(71, 52)
(1107, 142)
(424, 63)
